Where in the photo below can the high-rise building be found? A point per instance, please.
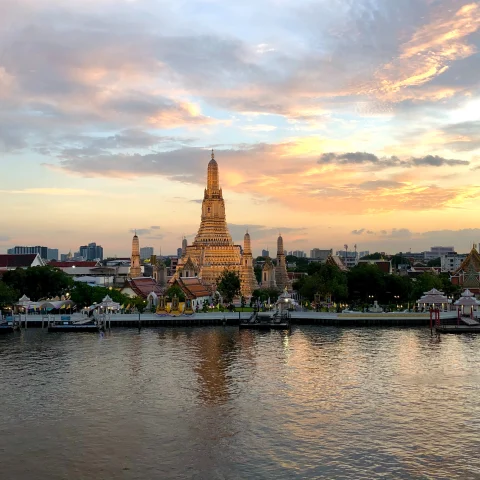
(437, 252)
(297, 253)
(451, 261)
(146, 252)
(350, 259)
(42, 251)
(179, 252)
(265, 253)
(90, 252)
(52, 254)
(319, 254)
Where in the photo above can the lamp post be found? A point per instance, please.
(346, 252)
(396, 297)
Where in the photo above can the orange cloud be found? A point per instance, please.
(428, 54)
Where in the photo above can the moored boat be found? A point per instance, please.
(8, 325)
(266, 321)
(66, 324)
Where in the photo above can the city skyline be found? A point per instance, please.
(332, 123)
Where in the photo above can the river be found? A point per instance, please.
(219, 403)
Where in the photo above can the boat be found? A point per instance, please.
(66, 324)
(8, 325)
(267, 321)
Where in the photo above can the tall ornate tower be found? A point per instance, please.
(212, 250)
(213, 226)
(281, 275)
(135, 270)
(247, 274)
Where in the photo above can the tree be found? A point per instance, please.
(399, 259)
(8, 295)
(366, 283)
(325, 280)
(373, 256)
(39, 282)
(139, 304)
(425, 282)
(228, 284)
(175, 290)
(436, 262)
(85, 295)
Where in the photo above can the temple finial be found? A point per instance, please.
(213, 155)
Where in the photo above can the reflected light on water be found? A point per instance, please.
(223, 403)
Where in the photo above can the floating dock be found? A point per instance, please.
(458, 329)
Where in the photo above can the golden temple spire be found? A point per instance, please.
(213, 183)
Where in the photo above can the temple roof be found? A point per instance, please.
(472, 259)
(17, 260)
(192, 287)
(336, 261)
(143, 286)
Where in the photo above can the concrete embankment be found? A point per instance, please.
(233, 319)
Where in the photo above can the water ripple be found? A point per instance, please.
(216, 403)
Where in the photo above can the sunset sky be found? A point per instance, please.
(333, 122)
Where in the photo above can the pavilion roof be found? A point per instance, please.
(467, 299)
(433, 296)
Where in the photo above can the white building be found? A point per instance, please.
(451, 261)
(350, 259)
(319, 254)
(437, 252)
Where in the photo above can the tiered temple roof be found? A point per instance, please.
(468, 274)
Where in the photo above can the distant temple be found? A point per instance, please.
(468, 274)
(276, 276)
(213, 250)
(135, 269)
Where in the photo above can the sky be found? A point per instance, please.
(333, 122)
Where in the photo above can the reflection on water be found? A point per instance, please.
(222, 403)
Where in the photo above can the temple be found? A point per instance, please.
(281, 275)
(135, 269)
(468, 274)
(276, 276)
(213, 250)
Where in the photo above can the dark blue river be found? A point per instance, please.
(216, 403)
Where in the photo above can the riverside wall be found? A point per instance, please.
(233, 319)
